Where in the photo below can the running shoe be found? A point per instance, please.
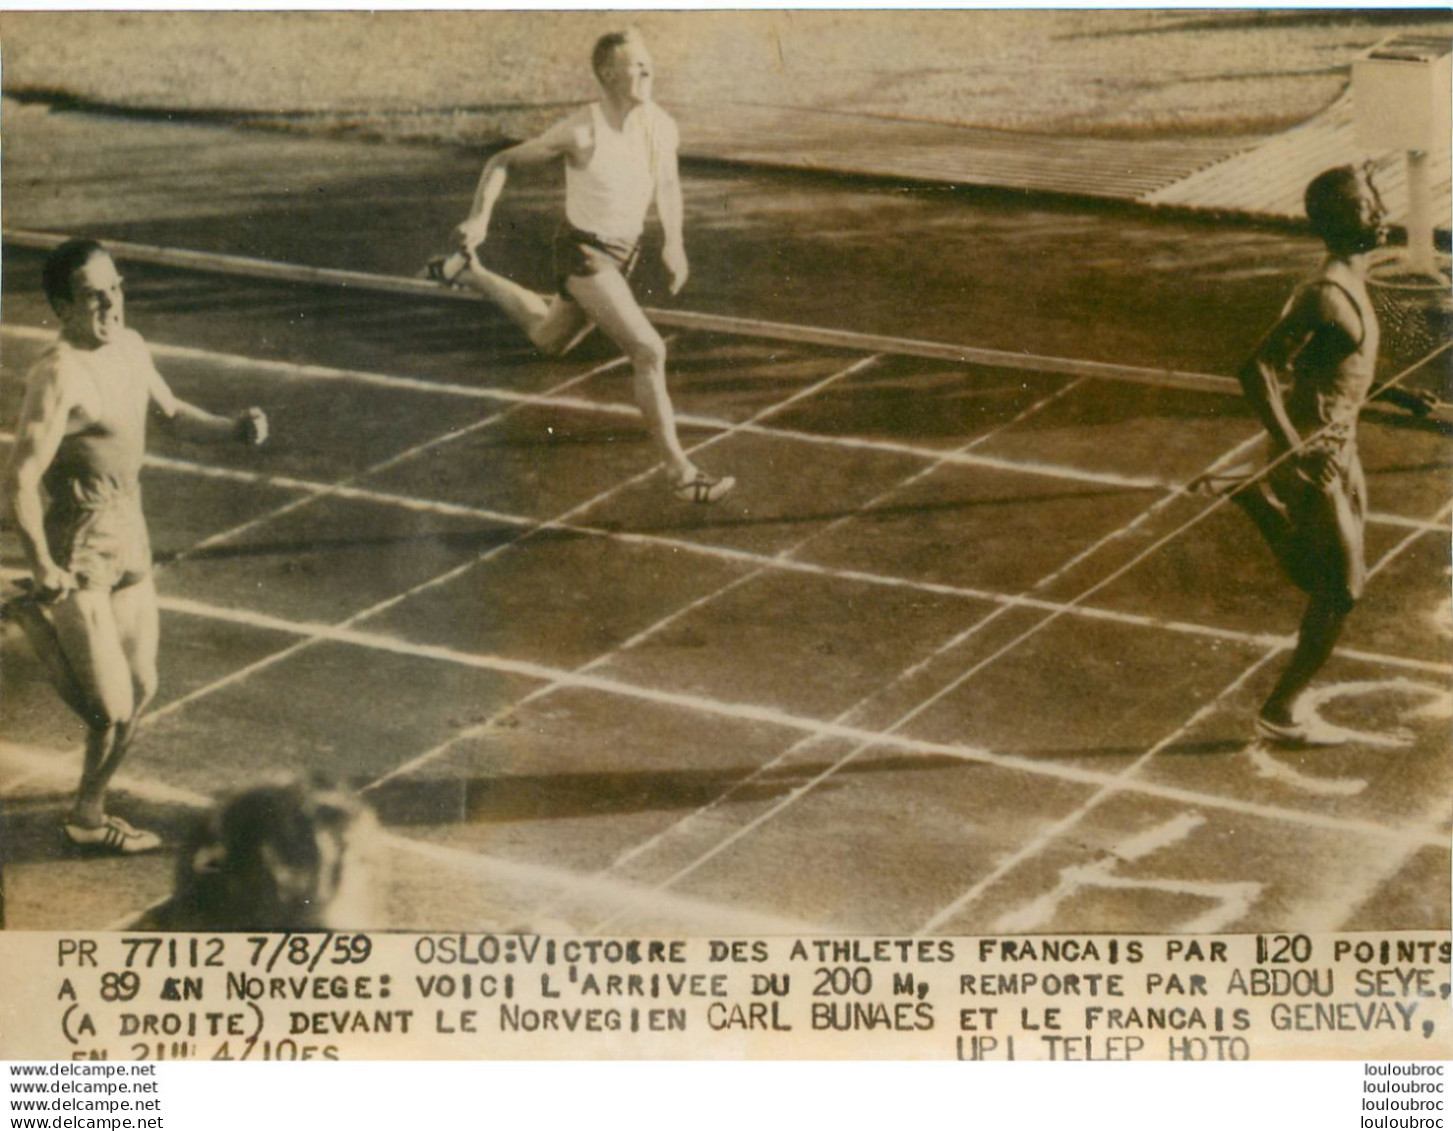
(703, 489)
(1311, 731)
(113, 835)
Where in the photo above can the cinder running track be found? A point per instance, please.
(960, 656)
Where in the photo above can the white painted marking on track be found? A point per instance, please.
(595, 892)
(1398, 844)
(796, 794)
(1124, 781)
(1231, 900)
(313, 633)
(481, 728)
(676, 318)
(392, 461)
(58, 768)
(910, 672)
(787, 554)
(782, 561)
(323, 491)
(553, 399)
(1267, 764)
(1271, 761)
(1153, 840)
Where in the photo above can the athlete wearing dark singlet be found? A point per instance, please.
(1322, 487)
(1312, 505)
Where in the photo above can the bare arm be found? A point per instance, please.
(193, 423)
(561, 140)
(670, 208)
(1421, 403)
(1316, 310)
(44, 414)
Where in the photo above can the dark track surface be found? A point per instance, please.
(864, 694)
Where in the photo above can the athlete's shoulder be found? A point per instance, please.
(1331, 297)
(55, 365)
(662, 122)
(573, 133)
(135, 344)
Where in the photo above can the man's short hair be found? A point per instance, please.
(606, 45)
(64, 262)
(1328, 198)
(290, 856)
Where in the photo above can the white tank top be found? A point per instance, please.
(610, 194)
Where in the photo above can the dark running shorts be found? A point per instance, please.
(1327, 523)
(106, 546)
(584, 253)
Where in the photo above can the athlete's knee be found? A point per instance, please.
(548, 341)
(647, 351)
(144, 688)
(111, 705)
(648, 354)
(1338, 600)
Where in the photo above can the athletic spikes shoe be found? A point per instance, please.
(1311, 731)
(113, 835)
(703, 489)
(446, 269)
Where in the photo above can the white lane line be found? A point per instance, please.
(1334, 914)
(582, 508)
(1122, 783)
(316, 633)
(444, 578)
(678, 319)
(1230, 900)
(56, 769)
(242, 674)
(328, 490)
(1220, 502)
(785, 564)
(313, 492)
(51, 768)
(684, 913)
(650, 630)
(762, 563)
(1400, 842)
(912, 671)
(552, 399)
(786, 554)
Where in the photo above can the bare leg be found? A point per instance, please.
(1321, 626)
(85, 625)
(1271, 519)
(36, 624)
(550, 322)
(139, 626)
(607, 300)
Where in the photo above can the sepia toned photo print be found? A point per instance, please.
(910, 507)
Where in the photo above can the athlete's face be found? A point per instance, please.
(628, 74)
(1366, 216)
(95, 313)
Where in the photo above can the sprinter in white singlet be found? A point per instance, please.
(620, 157)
